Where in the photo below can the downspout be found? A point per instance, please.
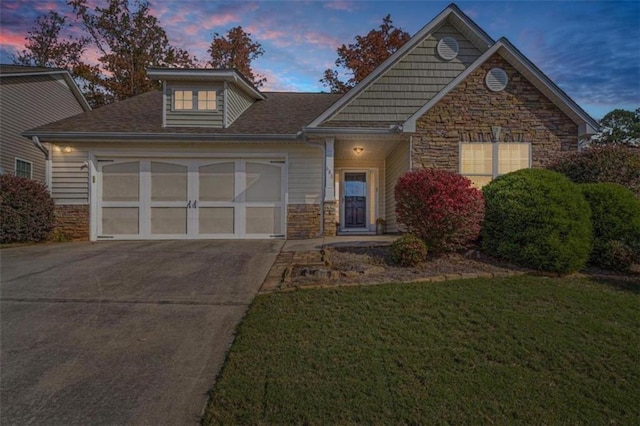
(321, 146)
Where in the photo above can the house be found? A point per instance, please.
(30, 97)
(210, 156)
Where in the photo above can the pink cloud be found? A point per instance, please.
(321, 39)
(347, 6)
(13, 5)
(45, 6)
(11, 40)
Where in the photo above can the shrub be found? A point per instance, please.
(440, 207)
(408, 250)
(615, 216)
(26, 210)
(616, 256)
(539, 219)
(611, 163)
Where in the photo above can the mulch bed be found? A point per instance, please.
(371, 265)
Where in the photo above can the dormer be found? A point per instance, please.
(212, 98)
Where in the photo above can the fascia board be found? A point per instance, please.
(397, 56)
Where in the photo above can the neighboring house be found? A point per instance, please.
(30, 97)
(210, 156)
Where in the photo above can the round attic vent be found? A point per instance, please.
(496, 79)
(448, 48)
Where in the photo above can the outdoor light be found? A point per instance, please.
(358, 150)
(66, 149)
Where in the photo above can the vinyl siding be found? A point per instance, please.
(69, 175)
(71, 183)
(411, 82)
(213, 119)
(237, 103)
(25, 103)
(396, 164)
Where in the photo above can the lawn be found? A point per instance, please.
(515, 350)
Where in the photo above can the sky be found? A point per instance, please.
(590, 49)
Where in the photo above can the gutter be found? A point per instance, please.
(154, 137)
(397, 128)
(38, 144)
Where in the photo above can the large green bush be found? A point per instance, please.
(610, 163)
(539, 219)
(26, 210)
(615, 215)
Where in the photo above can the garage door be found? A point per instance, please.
(190, 198)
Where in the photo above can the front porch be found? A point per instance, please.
(361, 173)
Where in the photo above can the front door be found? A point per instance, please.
(355, 200)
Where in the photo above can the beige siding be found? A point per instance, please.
(213, 119)
(71, 182)
(411, 82)
(69, 175)
(25, 103)
(340, 165)
(396, 164)
(237, 103)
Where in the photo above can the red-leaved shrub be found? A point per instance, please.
(440, 207)
(26, 210)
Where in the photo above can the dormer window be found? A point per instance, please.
(194, 100)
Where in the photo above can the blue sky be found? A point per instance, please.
(590, 49)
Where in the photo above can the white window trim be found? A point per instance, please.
(194, 99)
(494, 158)
(15, 167)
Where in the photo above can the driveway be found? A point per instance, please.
(121, 332)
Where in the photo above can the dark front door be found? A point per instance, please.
(355, 200)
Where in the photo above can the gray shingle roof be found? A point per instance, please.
(21, 69)
(280, 114)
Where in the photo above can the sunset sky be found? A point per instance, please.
(590, 49)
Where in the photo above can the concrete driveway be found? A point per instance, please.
(121, 332)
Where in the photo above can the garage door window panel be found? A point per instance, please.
(121, 182)
(263, 183)
(217, 182)
(264, 220)
(216, 220)
(168, 182)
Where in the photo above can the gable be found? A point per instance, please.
(411, 82)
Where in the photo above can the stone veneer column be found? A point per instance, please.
(330, 228)
(73, 220)
(303, 221)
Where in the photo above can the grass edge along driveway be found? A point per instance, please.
(519, 349)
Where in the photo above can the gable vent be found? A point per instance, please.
(448, 48)
(496, 79)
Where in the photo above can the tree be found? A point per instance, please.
(45, 46)
(236, 50)
(619, 127)
(129, 42)
(362, 57)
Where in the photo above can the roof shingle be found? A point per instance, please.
(280, 114)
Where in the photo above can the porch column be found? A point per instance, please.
(329, 185)
(329, 204)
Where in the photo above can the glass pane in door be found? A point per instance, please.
(355, 200)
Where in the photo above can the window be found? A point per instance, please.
(194, 100)
(23, 168)
(182, 99)
(206, 100)
(482, 162)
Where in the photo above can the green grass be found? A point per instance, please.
(515, 350)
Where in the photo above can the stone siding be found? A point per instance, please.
(303, 221)
(467, 113)
(330, 227)
(73, 221)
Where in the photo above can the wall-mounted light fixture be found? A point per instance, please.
(358, 150)
(66, 149)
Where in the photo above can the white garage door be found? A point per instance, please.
(190, 198)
